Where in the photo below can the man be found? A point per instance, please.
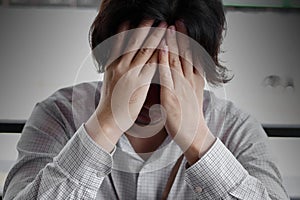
(152, 132)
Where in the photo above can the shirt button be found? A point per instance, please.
(99, 174)
(198, 189)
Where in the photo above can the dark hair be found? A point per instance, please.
(204, 19)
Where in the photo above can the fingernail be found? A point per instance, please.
(163, 24)
(172, 29)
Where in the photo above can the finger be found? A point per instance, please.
(173, 50)
(154, 57)
(150, 67)
(150, 45)
(165, 75)
(185, 52)
(118, 43)
(136, 39)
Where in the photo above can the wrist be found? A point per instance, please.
(104, 133)
(202, 142)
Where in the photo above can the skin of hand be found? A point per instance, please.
(182, 95)
(127, 77)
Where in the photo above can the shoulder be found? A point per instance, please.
(69, 106)
(222, 108)
(231, 124)
(68, 94)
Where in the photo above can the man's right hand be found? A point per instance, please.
(126, 82)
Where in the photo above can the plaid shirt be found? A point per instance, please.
(58, 160)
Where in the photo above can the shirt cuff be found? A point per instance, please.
(84, 161)
(216, 173)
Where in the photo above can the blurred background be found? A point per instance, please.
(44, 46)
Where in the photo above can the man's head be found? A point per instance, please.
(204, 21)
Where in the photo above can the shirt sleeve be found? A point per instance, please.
(49, 169)
(219, 175)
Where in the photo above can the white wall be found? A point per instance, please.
(257, 45)
(41, 51)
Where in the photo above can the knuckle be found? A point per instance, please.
(144, 51)
(118, 70)
(117, 73)
(174, 62)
